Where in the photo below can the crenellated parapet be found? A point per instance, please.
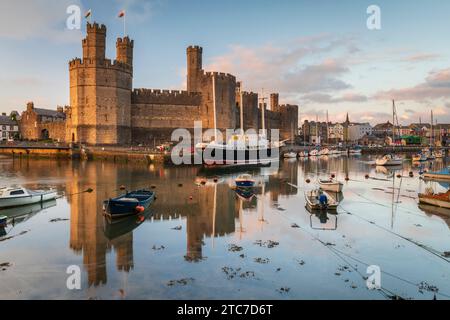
(170, 97)
(106, 63)
(220, 76)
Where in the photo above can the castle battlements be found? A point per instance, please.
(220, 75)
(106, 63)
(158, 96)
(95, 27)
(125, 41)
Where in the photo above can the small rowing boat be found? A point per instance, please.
(389, 160)
(128, 204)
(331, 185)
(245, 181)
(318, 199)
(290, 155)
(15, 197)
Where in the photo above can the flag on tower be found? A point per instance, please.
(88, 13)
(122, 14)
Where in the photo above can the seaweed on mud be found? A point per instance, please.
(232, 273)
(284, 290)
(262, 260)
(177, 228)
(58, 220)
(267, 244)
(155, 248)
(234, 248)
(181, 282)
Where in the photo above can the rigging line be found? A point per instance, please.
(428, 249)
(387, 273)
(385, 206)
(343, 259)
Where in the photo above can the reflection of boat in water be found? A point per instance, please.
(114, 228)
(23, 213)
(320, 200)
(324, 220)
(14, 197)
(290, 155)
(437, 211)
(441, 200)
(245, 194)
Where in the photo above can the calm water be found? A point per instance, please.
(204, 241)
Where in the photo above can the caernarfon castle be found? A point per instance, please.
(105, 109)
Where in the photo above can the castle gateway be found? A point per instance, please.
(106, 110)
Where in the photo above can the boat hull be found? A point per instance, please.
(245, 184)
(434, 202)
(27, 199)
(333, 187)
(127, 204)
(218, 157)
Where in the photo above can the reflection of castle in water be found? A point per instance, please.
(212, 212)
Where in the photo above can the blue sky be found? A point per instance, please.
(316, 53)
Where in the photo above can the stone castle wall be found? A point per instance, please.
(105, 110)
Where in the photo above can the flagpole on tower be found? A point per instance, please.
(122, 15)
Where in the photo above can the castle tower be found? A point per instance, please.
(94, 44)
(274, 102)
(194, 68)
(100, 92)
(124, 50)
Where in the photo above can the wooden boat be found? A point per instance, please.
(441, 200)
(15, 197)
(331, 185)
(324, 152)
(245, 181)
(303, 154)
(389, 160)
(313, 201)
(290, 155)
(130, 203)
(439, 175)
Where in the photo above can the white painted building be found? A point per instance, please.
(8, 128)
(357, 131)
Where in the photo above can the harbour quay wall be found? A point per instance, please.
(40, 152)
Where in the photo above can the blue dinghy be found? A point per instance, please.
(130, 203)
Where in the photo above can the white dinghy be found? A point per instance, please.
(15, 197)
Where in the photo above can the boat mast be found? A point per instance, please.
(214, 107)
(328, 137)
(317, 129)
(242, 112)
(263, 116)
(432, 131)
(393, 123)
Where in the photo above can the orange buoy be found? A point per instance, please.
(333, 176)
(122, 187)
(308, 180)
(367, 176)
(399, 176)
(139, 209)
(215, 180)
